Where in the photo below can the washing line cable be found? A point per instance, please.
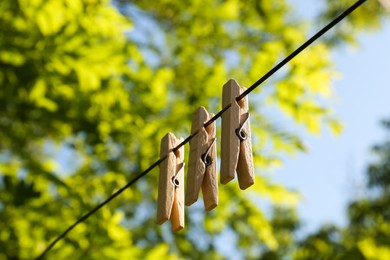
(210, 121)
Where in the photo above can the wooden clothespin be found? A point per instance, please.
(202, 166)
(170, 201)
(236, 144)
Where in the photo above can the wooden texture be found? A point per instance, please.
(235, 154)
(170, 201)
(199, 175)
(210, 180)
(245, 168)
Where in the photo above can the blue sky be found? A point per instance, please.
(332, 172)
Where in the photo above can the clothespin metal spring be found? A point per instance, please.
(205, 157)
(175, 180)
(240, 132)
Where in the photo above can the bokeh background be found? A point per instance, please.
(89, 87)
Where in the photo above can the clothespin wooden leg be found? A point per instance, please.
(170, 201)
(177, 214)
(202, 162)
(236, 144)
(230, 144)
(210, 181)
(245, 167)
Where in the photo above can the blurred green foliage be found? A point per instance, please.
(89, 87)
